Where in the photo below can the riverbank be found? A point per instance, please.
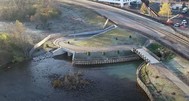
(161, 87)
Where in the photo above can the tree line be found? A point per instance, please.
(29, 10)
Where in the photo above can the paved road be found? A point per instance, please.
(154, 30)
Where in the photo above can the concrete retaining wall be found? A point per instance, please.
(40, 43)
(105, 61)
(141, 84)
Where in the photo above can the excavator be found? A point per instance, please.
(169, 20)
(181, 15)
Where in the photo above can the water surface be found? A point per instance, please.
(30, 81)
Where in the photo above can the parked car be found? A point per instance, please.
(185, 10)
(177, 25)
(183, 23)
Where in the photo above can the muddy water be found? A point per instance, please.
(31, 82)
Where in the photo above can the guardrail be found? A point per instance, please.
(93, 32)
(141, 84)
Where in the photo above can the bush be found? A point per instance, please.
(73, 81)
(161, 51)
(44, 12)
(103, 53)
(17, 43)
(118, 52)
(18, 59)
(4, 39)
(17, 10)
(165, 53)
(88, 53)
(57, 83)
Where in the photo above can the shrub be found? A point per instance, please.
(162, 52)
(73, 81)
(17, 9)
(57, 83)
(118, 52)
(17, 43)
(103, 53)
(4, 40)
(88, 53)
(45, 10)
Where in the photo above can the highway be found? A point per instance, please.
(163, 34)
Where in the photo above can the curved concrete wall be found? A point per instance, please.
(141, 84)
(105, 61)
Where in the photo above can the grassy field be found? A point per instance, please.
(160, 86)
(81, 13)
(76, 19)
(179, 66)
(115, 37)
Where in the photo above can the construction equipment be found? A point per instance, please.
(169, 20)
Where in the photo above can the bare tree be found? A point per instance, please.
(20, 38)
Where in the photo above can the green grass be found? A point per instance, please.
(88, 15)
(157, 82)
(153, 47)
(117, 36)
(48, 46)
(95, 19)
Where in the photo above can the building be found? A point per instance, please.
(121, 2)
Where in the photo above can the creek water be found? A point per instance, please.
(30, 81)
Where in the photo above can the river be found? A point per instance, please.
(30, 81)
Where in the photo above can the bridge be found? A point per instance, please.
(146, 55)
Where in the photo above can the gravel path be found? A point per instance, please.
(62, 42)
